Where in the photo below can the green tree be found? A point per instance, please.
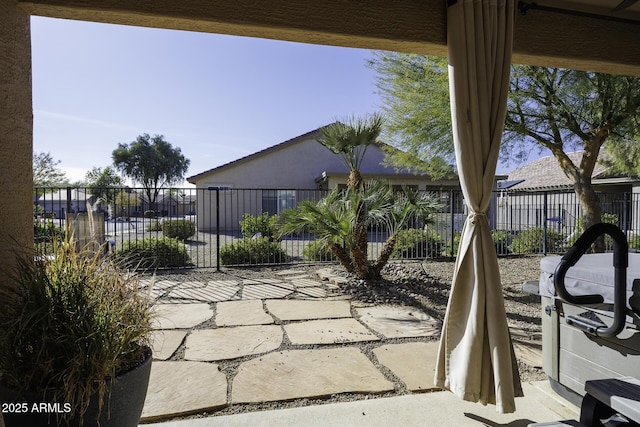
(103, 183)
(561, 110)
(46, 173)
(152, 162)
(333, 220)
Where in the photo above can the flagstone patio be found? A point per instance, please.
(248, 341)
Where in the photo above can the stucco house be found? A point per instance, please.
(278, 177)
(540, 189)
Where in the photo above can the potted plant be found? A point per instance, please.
(74, 344)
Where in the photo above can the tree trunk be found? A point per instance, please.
(359, 251)
(591, 208)
(385, 254)
(342, 255)
(355, 180)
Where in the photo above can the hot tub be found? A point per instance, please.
(574, 352)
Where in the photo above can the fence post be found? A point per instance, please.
(452, 208)
(218, 228)
(544, 224)
(69, 195)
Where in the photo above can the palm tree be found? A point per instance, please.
(334, 221)
(350, 141)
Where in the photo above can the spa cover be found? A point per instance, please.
(592, 274)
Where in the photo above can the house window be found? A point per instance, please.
(276, 201)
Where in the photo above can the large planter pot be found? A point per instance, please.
(123, 404)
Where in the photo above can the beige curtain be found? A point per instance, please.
(476, 359)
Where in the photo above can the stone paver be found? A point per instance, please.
(302, 283)
(527, 348)
(279, 290)
(180, 388)
(180, 316)
(206, 294)
(414, 363)
(261, 281)
(308, 310)
(306, 373)
(192, 284)
(290, 272)
(395, 321)
(239, 313)
(311, 293)
(330, 331)
(230, 343)
(165, 343)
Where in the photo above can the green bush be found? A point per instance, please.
(155, 252)
(154, 226)
(318, 251)
(259, 250)
(418, 243)
(634, 242)
(530, 241)
(44, 234)
(180, 229)
(502, 240)
(151, 214)
(265, 224)
(607, 218)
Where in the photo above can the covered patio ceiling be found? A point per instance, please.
(579, 34)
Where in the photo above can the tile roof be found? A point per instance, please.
(545, 173)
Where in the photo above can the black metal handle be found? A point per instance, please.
(620, 263)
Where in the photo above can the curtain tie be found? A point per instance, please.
(473, 215)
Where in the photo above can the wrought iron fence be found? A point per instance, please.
(203, 227)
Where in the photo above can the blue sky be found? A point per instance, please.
(216, 97)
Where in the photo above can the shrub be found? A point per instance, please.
(150, 214)
(607, 218)
(318, 251)
(634, 242)
(155, 252)
(154, 226)
(44, 234)
(259, 250)
(530, 241)
(418, 243)
(180, 229)
(502, 240)
(265, 224)
(69, 322)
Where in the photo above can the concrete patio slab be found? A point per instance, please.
(394, 321)
(165, 343)
(330, 331)
(279, 290)
(181, 388)
(241, 313)
(423, 409)
(181, 316)
(308, 310)
(229, 343)
(306, 373)
(414, 363)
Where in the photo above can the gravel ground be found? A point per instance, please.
(421, 284)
